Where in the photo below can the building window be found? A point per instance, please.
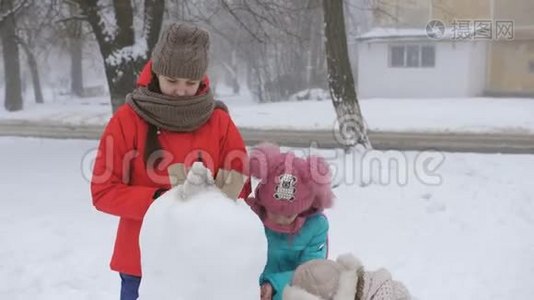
(412, 56)
(428, 56)
(397, 56)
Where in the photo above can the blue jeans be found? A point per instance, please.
(129, 286)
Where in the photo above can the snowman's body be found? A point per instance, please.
(208, 247)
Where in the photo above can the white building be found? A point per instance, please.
(406, 63)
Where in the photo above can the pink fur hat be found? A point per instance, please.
(289, 185)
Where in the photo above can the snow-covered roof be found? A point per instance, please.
(382, 32)
(389, 33)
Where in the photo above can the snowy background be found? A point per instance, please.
(461, 232)
(475, 115)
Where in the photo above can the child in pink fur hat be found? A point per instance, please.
(289, 199)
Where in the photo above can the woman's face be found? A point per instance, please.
(281, 219)
(178, 86)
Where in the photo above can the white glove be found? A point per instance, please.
(199, 178)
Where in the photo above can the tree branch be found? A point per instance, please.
(11, 12)
(243, 25)
(90, 9)
(72, 18)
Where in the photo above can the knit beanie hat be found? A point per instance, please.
(289, 185)
(181, 52)
(325, 279)
(343, 279)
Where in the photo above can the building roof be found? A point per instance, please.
(431, 34)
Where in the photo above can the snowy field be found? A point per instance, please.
(478, 115)
(462, 229)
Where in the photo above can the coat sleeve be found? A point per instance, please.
(315, 249)
(110, 186)
(233, 164)
(278, 281)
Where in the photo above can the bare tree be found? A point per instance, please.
(13, 90)
(340, 80)
(277, 43)
(34, 24)
(126, 32)
(72, 27)
(71, 33)
(34, 69)
(76, 58)
(33, 21)
(281, 44)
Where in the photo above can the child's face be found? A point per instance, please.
(281, 219)
(178, 86)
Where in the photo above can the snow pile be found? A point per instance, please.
(208, 247)
(310, 94)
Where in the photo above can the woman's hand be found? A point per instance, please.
(266, 291)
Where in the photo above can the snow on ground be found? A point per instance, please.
(54, 245)
(75, 111)
(421, 115)
(462, 231)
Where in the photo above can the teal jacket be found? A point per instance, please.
(286, 252)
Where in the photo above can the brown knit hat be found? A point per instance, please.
(181, 52)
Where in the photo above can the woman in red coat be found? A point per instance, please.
(168, 122)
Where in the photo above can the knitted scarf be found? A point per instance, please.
(179, 114)
(183, 114)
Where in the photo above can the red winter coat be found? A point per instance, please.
(121, 185)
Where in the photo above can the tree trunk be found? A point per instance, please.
(121, 81)
(121, 71)
(235, 77)
(34, 70)
(76, 67)
(352, 129)
(318, 56)
(13, 90)
(154, 10)
(316, 71)
(76, 57)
